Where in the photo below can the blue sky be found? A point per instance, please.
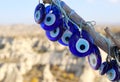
(101, 11)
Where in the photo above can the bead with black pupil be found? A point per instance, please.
(65, 38)
(80, 46)
(94, 58)
(55, 34)
(39, 13)
(52, 19)
(113, 73)
(48, 19)
(68, 33)
(55, 31)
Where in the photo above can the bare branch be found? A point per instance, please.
(46, 1)
(110, 34)
(99, 40)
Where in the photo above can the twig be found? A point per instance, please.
(110, 34)
(46, 1)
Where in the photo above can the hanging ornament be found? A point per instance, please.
(95, 58)
(52, 19)
(105, 66)
(71, 29)
(55, 34)
(113, 74)
(39, 13)
(80, 46)
(65, 38)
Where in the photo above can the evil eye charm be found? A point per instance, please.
(65, 38)
(52, 19)
(114, 62)
(55, 34)
(80, 46)
(113, 74)
(104, 68)
(68, 33)
(72, 27)
(95, 58)
(39, 13)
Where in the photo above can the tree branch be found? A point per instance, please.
(46, 1)
(99, 40)
(111, 35)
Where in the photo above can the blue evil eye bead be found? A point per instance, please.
(68, 33)
(53, 9)
(104, 68)
(114, 62)
(95, 58)
(52, 19)
(72, 27)
(80, 46)
(55, 34)
(113, 74)
(39, 13)
(65, 38)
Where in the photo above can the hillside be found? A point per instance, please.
(26, 55)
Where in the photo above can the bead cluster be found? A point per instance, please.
(80, 43)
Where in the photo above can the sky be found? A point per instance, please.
(22, 11)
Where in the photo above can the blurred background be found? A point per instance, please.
(26, 55)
